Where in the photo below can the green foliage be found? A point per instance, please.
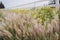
(44, 14)
(41, 14)
(59, 13)
(20, 10)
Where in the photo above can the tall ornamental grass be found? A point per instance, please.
(24, 27)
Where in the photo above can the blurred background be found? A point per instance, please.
(9, 4)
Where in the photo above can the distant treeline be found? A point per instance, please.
(2, 5)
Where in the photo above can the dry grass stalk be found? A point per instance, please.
(23, 27)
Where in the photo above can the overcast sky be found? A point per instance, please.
(11, 3)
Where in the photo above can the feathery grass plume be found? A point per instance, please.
(21, 27)
(24, 27)
(53, 28)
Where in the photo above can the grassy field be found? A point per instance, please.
(30, 24)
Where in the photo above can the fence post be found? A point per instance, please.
(57, 5)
